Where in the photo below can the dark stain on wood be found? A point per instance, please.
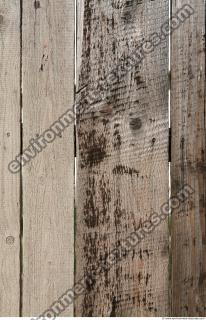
(118, 213)
(114, 306)
(93, 213)
(202, 278)
(118, 4)
(44, 60)
(122, 169)
(37, 4)
(117, 140)
(95, 155)
(92, 148)
(1, 20)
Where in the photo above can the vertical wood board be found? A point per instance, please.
(188, 162)
(48, 180)
(122, 175)
(9, 148)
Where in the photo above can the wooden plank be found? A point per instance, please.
(9, 148)
(122, 159)
(48, 180)
(188, 162)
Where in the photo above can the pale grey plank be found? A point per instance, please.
(9, 148)
(48, 181)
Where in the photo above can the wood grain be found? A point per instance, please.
(9, 147)
(188, 163)
(122, 173)
(48, 180)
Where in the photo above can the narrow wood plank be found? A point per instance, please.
(188, 162)
(122, 159)
(48, 180)
(9, 148)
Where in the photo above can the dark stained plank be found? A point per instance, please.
(188, 163)
(122, 175)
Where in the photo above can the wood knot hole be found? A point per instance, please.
(135, 124)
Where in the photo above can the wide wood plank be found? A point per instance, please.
(122, 173)
(48, 180)
(188, 162)
(9, 148)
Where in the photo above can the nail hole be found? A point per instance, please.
(153, 141)
(10, 240)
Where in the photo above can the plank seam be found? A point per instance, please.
(21, 174)
(75, 137)
(170, 146)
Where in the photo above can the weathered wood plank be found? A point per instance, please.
(122, 159)
(9, 147)
(188, 163)
(48, 180)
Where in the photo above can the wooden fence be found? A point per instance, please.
(56, 233)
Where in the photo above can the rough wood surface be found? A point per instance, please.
(188, 163)
(122, 159)
(9, 147)
(48, 180)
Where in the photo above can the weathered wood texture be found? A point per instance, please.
(48, 180)
(9, 147)
(188, 163)
(122, 159)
